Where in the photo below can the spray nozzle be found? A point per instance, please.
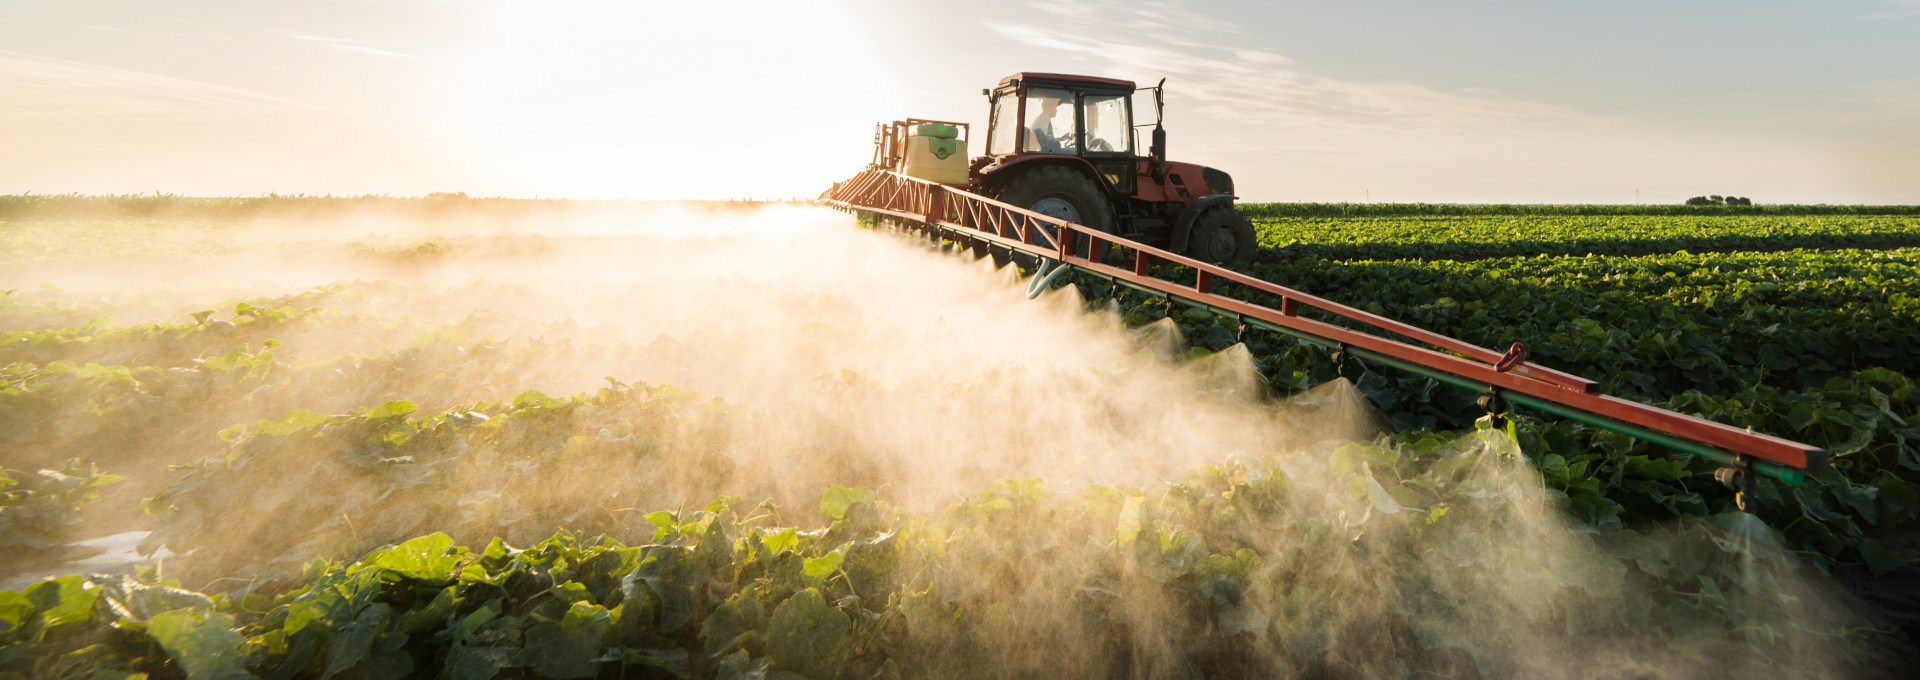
(1495, 406)
(1742, 480)
(1344, 366)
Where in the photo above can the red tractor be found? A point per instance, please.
(1065, 146)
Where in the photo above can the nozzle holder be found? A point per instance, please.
(1343, 364)
(1742, 480)
(1496, 407)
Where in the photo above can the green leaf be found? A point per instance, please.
(15, 611)
(64, 600)
(805, 634)
(670, 573)
(1879, 558)
(566, 648)
(477, 663)
(818, 568)
(780, 541)
(350, 645)
(295, 421)
(838, 499)
(1693, 627)
(534, 399)
(1132, 517)
(206, 647)
(428, 558)
(740, 666)
(738, 616)
(673, 661)
(391, 409)
(1382, 501)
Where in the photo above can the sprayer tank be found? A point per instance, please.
(935, 154)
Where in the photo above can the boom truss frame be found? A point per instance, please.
(945, 212)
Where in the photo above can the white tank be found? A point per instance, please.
(934, 154)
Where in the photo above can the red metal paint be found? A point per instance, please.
(977, 217)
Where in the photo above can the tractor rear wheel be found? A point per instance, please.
(1222, 234)
(1059, 191)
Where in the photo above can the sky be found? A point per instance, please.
(1781, 101)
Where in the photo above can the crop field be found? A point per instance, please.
(1448, 236)
(378, 438)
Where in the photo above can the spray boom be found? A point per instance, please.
(945, 213)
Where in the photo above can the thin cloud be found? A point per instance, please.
(353, 45)
(1257, 86)
(1896, 9)
(44, 87)
(371, 51)
(1888, 99)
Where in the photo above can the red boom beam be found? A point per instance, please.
(978, 217)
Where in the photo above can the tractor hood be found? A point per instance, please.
(1218, 182)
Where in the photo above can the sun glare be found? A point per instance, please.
(654, 100)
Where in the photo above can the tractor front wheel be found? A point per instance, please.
(1059, 191)
(1222, 234)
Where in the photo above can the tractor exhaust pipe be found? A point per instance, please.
(1158, 151)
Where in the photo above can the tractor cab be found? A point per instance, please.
(1064, 115)
(1065, 146)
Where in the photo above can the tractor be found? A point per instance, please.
(1066, 146)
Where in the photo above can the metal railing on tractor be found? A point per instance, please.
(1058, 246)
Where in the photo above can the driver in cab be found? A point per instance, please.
(1045, 138)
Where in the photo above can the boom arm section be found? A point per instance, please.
(945, 212)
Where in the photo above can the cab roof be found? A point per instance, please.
(1067, 79)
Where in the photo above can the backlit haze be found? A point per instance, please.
(1799, 101)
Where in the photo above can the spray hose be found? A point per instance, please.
(1041, 284)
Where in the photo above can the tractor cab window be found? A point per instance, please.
(1050, 126)
(1005, 124)
(1108, 129)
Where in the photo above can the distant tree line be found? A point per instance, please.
(1719, 200)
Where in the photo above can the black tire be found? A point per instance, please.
(1055, 185)
(1222, 234)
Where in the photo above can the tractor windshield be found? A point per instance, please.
(1108, 130)
(1050, 126)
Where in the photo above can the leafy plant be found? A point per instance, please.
(1433, 543)
(36, 509)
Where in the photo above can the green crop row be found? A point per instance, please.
(1745, 339)
(1869, 421)
(1430, 556)
(1650, 327)
(1430, 237)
